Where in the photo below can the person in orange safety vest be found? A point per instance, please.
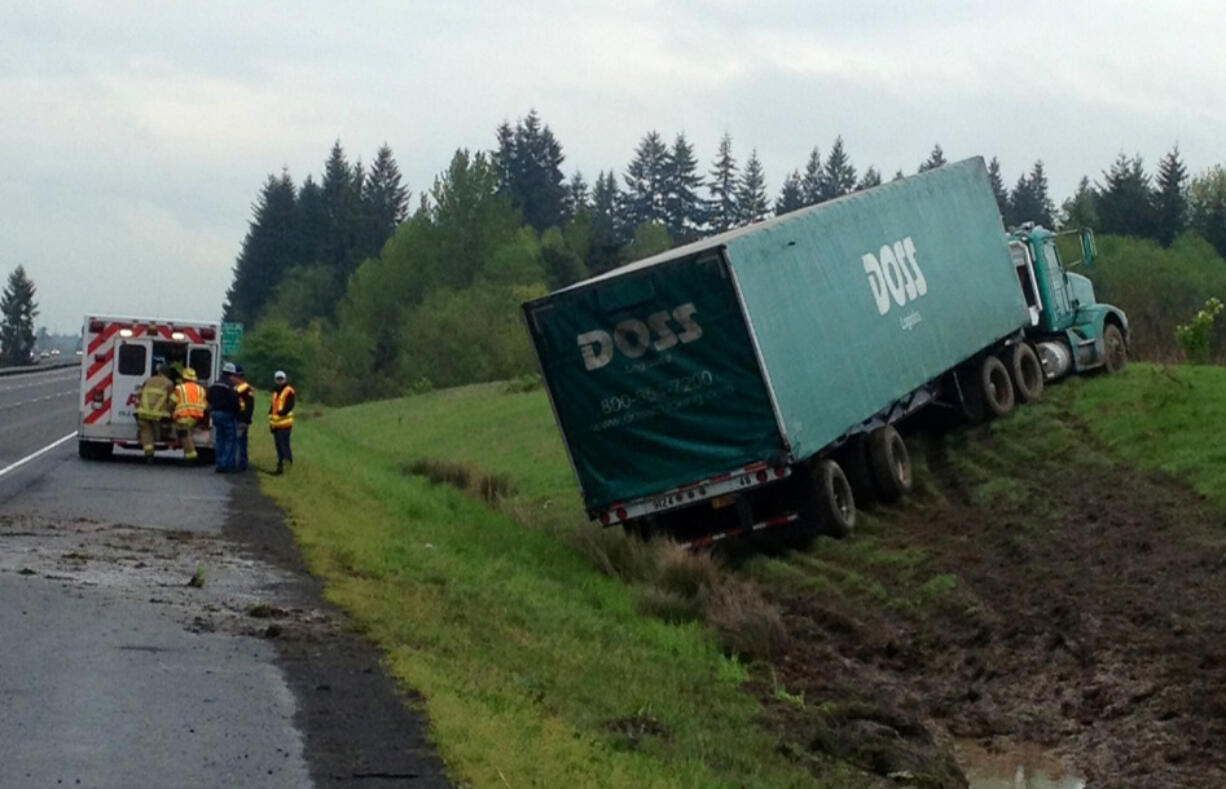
(189, 405)
(281, 419)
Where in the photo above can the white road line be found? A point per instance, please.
(39, 453)
(39, 399)
(44, 382)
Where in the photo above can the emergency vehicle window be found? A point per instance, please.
(168, 353)
(131, 360)
(201, 360)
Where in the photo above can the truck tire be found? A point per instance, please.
(854, 460)
(997, 386)
(1115, 351)
(969, 394)
(1026, 371)
(828, 505)
(891, 464)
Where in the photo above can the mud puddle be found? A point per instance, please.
(1014, 767)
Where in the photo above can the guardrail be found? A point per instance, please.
(40, 368)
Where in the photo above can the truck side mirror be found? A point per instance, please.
(1089, 251)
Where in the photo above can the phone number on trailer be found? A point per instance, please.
(647, 394)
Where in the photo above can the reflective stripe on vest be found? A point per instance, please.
(275, 419)
(189, 401)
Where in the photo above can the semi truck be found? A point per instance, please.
(752, 381)
(120, 353)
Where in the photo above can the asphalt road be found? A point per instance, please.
(115, 672)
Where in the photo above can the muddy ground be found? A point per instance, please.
(1088, 619)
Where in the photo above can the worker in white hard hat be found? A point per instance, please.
(281, 418)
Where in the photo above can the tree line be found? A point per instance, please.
(368, 299)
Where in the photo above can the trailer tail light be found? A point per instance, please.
(96, 326)
(779, 472)
(761, 476)
(207, 334)
(604, 519)
(621, 513)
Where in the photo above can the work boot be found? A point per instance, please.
(280, 470)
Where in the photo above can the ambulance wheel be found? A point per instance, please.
(827, 504)
(1026, 371)
(95, 450)
(997, 386)
(205, 456)
(891, 464)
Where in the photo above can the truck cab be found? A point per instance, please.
(1071, 330)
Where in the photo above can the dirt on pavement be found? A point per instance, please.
(1094, 632)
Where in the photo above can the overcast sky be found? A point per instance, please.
(134, 137)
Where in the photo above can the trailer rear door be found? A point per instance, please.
(654, 379)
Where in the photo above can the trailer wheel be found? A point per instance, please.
(828, 503)
(1026, 371)
(996, 386)
(891, 464)
(1115, 351)
(970, 394)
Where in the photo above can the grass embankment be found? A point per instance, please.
(538, 669)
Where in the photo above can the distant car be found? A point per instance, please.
(55, 352)
(80, 353)
(44, 355)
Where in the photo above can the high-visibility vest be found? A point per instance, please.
(276, 419)
(246, 399)
(155, 398)
(189, 401)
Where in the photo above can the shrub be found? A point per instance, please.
(1194, 335)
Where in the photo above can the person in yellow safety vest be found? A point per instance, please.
(153, 408)
(189, 400)
(246, 410)
(281, 419)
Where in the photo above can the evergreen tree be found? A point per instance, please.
(1022, 205)
(310, 225)
(1125, 203)
(683, 208)
(1207, 206)
(935, 159)
(751, 200)
(1081, 210)
(1171, 197)
(1044, 208)
(791, 196)
(528, 166)
(722, 207)
(576, 198)
(811, 183)
(607, 230)
(385, 202)
(268, 251)
(838, 176)
(998, 187)
(871, 178)
(646, 182)
(342, 205)
(17, 312)
(898, 176)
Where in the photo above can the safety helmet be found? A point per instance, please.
(188, 374)
(228, 368)
(279, 375)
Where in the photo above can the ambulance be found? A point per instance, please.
(120, 354)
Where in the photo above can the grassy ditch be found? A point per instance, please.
(552, 653)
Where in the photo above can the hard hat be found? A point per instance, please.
(279, 375)
(228, 368)
(188, 374)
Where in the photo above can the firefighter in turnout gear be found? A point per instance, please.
(189, 400)
(154, 408)
(281, 419)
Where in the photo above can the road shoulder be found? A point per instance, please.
(355, 722)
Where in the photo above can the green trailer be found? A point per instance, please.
(751, 379)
